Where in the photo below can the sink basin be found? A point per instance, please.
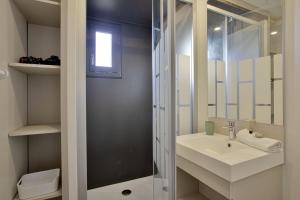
(216, 145)
(231, 160)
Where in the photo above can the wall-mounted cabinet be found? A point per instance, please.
(42, 99)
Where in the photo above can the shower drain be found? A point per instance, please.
(126, 192)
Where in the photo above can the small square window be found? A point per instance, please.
(103, 49)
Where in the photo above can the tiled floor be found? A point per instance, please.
(142, 189)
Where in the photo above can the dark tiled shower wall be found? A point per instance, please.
(119, 115)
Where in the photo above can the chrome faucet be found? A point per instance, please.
(231, 130)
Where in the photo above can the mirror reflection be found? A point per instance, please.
(245, 62)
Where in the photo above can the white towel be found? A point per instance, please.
(264, 144)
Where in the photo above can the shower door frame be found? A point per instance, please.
(73, 99)
(167, 58)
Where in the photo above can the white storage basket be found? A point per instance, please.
(39, 183)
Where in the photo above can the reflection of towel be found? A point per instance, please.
(264, 144)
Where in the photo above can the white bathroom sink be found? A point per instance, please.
(230, 160)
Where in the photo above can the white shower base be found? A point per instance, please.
(142, 189)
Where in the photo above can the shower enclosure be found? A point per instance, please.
(178, 46)
(163, 80)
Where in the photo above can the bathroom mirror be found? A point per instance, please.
(245, 60)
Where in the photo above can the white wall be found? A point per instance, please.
(13, 99)
(292, 100)
(43, 41)
(200, 62)
(73, 102)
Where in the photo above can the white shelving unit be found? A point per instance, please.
(43, 88)
(58, 193)
(36, 130)
(36, 68)
(42, 12)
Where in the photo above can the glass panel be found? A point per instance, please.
(163, 155)
(156, 21)
(184, 34)
(103, 49)
(215, 35)
(243, 40)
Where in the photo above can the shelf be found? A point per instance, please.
(195, 196)
(40, 12)
(36, 68)
(58, 193)
(36, 130)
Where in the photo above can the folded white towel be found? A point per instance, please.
(264, 144)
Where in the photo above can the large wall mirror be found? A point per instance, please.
(245, 67)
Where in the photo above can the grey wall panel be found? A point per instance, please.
(119, 115)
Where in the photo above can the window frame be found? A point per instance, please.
(115, 71)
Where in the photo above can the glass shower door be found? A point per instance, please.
(163, 80)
